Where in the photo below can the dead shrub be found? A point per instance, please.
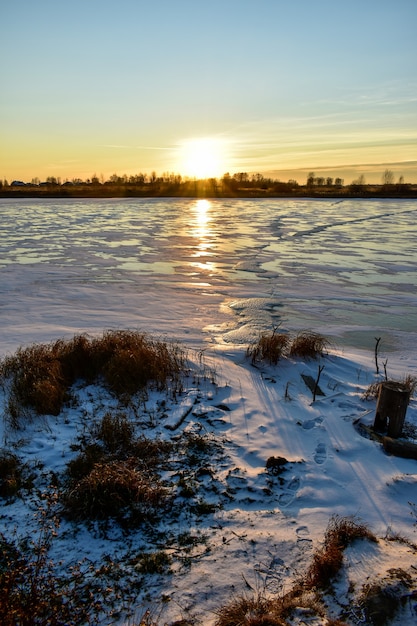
(116, 432)
(10, 474)
(83, 464)
(308, 344)
(37, 379)
(325, 566)
(40, 375)
(130, 360)
(408, 383)
(249, 611)
(343, 531)
(113, 489)
(151, 453)
(327, 561)
(31, 591)
(270, 347)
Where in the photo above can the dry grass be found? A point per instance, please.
(40, 376)
(260, 610)
(308, 344)
(305, 594)
(115, 473)
(270, 347)
(115, 489)
(116, 432)
(372, 391)
(32, 593)
(249, 611)
(10, 474)
(327, 561)
(37, 380)
(80, 467)
(408, 383)
(273, 346)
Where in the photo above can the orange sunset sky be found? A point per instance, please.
(202, 88)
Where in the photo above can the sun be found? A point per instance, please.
(202, 157)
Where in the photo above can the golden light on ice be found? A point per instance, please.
(201, 229)
(204, 239)
(203, 158)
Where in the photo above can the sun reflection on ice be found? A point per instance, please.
(201, 230)
(204, 235)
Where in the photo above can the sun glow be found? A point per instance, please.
(203, 158)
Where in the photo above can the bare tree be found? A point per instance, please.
(359, 181)
(311, 179)
(388, 177)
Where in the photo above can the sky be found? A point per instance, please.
(274, 87)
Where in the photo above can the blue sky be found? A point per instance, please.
(99, 86)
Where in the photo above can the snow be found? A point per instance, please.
(214, 275)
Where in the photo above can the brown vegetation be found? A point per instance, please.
(41, 375)
(305, 593)
(31, 593)
(10, 474)
(308, 344)
(113, 489)
(115, 474)
(327, 561)
(270, 347)
(273, 346)
(408, 383)
(240, 184)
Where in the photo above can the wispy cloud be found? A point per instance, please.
(133, 147)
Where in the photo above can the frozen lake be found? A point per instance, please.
(209, 271)
(214, 274)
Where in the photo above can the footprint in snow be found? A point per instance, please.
(290, 491)
(294, 484)
(285, 498)
(303, 539)
(309, 424)
(320, 454)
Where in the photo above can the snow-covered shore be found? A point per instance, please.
(224, 285)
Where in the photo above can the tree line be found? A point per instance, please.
(240, 184)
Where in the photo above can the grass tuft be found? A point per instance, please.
(270, 347)
(408, 383)
(308, 344)
(327, 561)
(116, 432)
(305, 597)
(153, 563)
(31, 591)
(114, 490)
(40, 376)
(10, 474)
(249, 611)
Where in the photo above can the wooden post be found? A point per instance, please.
(391, 408)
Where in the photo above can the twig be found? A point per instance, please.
(316, 384)
(377, 339)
